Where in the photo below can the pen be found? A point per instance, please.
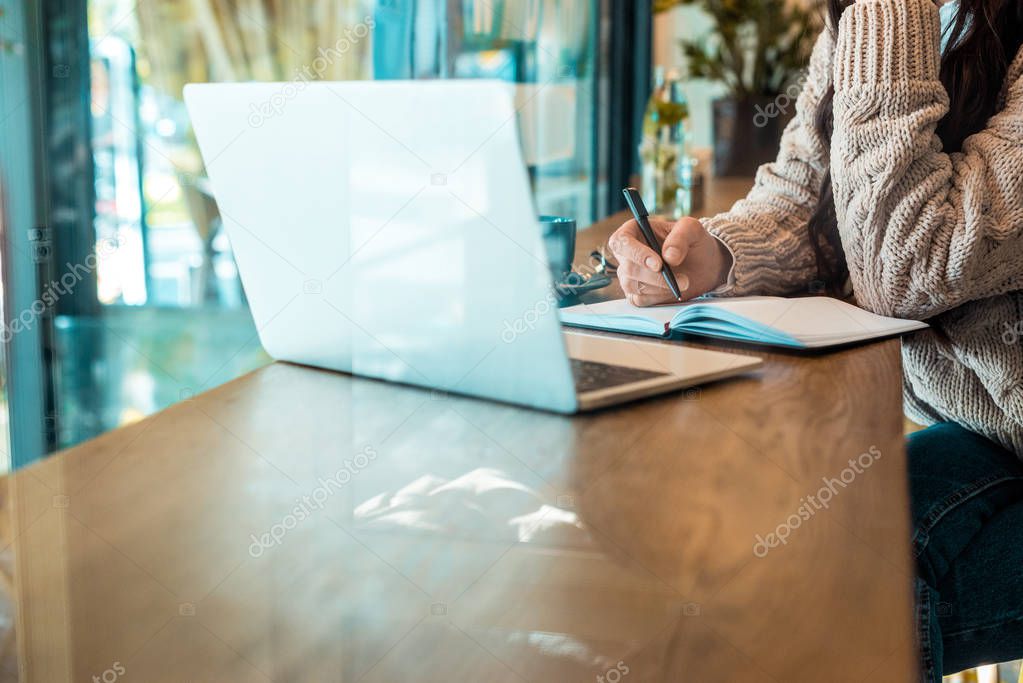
(640, 213)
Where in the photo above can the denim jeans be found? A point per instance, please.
(967, 503)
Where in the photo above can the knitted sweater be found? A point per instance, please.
(927, 235)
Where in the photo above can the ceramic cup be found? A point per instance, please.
(559, 239)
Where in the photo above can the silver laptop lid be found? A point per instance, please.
(387, 229)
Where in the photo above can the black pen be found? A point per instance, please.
(640, 213)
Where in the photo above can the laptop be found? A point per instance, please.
(387, 229)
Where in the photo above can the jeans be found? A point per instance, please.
(967, 505)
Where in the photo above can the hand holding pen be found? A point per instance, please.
(695, 259)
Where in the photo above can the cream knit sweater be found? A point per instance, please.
(927, 235)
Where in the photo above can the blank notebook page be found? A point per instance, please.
(811, 319)
(806, 321)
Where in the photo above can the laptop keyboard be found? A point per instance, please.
(590, 376)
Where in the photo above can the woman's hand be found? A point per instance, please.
(700, 262)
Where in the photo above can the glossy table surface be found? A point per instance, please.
(302, 525)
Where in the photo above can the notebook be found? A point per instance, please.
(802, 323)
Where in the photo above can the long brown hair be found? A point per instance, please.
(983, 40)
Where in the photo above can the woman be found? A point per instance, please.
(902, 176)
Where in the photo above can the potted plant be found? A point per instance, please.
(758, 49)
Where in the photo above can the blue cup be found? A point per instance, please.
(559, 239)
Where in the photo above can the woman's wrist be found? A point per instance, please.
(725, 278)
(727, 263)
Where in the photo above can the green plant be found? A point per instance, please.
(756, 47)
(663, 5)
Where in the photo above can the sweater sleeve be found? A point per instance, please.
(766, 232)
(923, 231)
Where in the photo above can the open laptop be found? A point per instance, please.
(387, 229)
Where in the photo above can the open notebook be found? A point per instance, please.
(803, 323)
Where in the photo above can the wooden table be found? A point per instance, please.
(300, 525)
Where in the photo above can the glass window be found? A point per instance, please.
(170, 317)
